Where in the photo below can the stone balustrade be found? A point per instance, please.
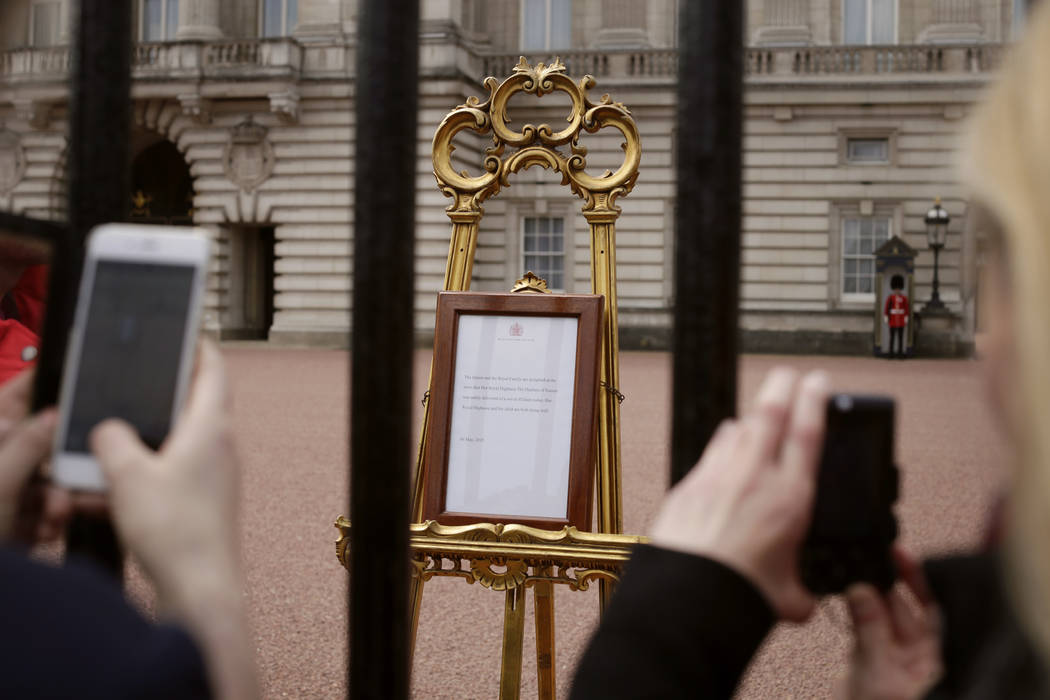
(161, 60)
(872, 60)
(794, 62)
(284, 57)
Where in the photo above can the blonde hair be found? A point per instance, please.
(1007, 168)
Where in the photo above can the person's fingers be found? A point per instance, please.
(767, 421)
(208, 400)
(805, 435)
(910, 572)
(908, 623)
(118, 449)
(14, 400)
(25, 448)
(716, 449)
(871, 619)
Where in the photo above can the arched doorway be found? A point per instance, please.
(161, 186)
(162, 192)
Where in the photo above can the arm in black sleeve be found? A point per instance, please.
(69, 633)
(679, 625)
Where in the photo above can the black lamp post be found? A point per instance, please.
(936, 234)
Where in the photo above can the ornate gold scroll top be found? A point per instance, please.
(503, 557)
(531, 283)
(536, 145)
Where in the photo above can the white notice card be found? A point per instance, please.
(512, 416)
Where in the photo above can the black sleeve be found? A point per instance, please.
(678, 626)
(69, 633)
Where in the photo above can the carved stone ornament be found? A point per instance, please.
(536, 145)
(12, 160)
(248, 158)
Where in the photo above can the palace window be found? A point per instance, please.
(160, 20)
(546, 25)
(279, 17)
(543, 248)
(869, 21)
(1020, 10)
(867, 150)
(43, 22)
(861, 237)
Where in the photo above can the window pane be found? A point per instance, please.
(850, 245)
(558, 242)
(172, 14)
(868, 150)
(561, 24)
(557, 225)
(152, 20)
(855, 25)
(534, 25)
(271, 10)
(45, 24)
(544, 225)
(866, 245)
(883, 21)
(865, 285)
(849, 284)
(866, 266)
(882, 230)
(291, 17)
(850, 266)
(530, 225)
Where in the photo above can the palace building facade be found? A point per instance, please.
(244, 124)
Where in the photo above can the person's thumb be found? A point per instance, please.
(24, 449)
(871, 619)
(118, 449)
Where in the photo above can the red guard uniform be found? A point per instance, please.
(896, 310)
(896, 313)
(21, 322)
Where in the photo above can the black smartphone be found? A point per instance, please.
(853, 528)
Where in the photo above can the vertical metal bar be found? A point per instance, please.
(99, 123)
(381, 362)
(707, 224)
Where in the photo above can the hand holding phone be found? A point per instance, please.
(853, 527)
(131, 346)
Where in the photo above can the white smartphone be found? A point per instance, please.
(133, 339)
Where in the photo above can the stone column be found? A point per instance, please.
(623, 24)
(953, 21)
(784, 22)
(65, 23)
(198, 19)
(318, 18)
(954, 12)
(786, 13)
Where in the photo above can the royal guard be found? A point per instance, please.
(896, 314)
(23, 283)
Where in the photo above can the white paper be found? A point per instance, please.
(511, 429)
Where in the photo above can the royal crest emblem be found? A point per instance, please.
(248, 159)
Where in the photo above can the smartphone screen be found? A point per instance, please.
(131, 349)
(854, 481)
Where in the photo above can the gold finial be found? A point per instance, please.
(531, 283)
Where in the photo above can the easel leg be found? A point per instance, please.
(544, 600)
(415, 592)
(513, 638)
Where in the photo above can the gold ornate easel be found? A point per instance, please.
(512, 558)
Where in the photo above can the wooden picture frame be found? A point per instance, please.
(498, 429)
